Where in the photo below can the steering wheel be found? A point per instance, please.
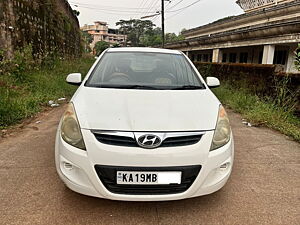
(169, 76)
(172, 76)
(118, 77)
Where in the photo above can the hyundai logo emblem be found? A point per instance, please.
(149, 141)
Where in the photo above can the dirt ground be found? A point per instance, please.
(264, 187)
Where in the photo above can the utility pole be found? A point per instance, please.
(163, 22)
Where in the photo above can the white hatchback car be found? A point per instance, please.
(144, 126)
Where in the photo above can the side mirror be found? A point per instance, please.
(212, 82)
(74, 79)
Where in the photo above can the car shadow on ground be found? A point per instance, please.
(88, 203)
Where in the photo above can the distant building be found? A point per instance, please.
(267, 33)
(101, 32)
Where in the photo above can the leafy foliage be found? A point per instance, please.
(144, 33)
(257, 92)
(152, 38)
(23, 61)
(101, 46)
(259, 111)
(135, 29)
(87, 39)
(39, 84)
(172, 37)
(297, 58)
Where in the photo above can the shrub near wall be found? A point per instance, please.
(261, 80)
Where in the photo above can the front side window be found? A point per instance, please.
(144, 71)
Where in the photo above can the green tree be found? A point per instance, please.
(172, 37)
(181, 36)
(116, 45)
(88, 38)
(135, 30)
(101, 46)
(152, 38)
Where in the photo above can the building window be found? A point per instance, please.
(243, 57)
(280, 57)
(210, 57)
(193, 57)
(232, 57)
(205, 57)
(199, 58)
(224, 58)
(260, 57)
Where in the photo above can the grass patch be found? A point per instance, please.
(260, 111)
(26, 94)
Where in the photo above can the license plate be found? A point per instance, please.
(146, 178)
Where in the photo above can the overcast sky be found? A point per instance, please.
(177, 18)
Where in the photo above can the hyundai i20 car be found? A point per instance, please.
(144, 126)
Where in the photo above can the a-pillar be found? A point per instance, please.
(268, 54)
(217, 55)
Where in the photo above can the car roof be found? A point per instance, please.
(144, 49)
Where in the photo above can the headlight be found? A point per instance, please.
(222, 132)
(70, 129)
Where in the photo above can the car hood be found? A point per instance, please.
(146, 110)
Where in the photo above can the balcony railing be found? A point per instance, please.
(249, 5)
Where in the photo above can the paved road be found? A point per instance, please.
(264, 187)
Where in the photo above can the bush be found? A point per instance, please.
(297, 58)
(260, 80)
(260, 111)
(19, 100)
(100, 47)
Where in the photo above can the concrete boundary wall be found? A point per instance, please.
(50, 26)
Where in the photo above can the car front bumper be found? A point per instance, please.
(77, 167)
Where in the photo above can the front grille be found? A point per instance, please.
(181, 141)
(116, 140)
(127, 139)
(107, 175)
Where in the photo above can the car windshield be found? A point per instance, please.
(143, 70)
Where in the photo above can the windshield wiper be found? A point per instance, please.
(138, 86)
(188, 87)
(122, 86)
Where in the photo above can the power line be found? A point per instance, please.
(185, 6)
(106, 6)
(175, 5)
(154, 4)
(174, 15)
(181, 10)
(108, 10)
(112, 12)
(140, 7)
(145, 9)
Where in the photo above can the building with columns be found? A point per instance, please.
(267, 33)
